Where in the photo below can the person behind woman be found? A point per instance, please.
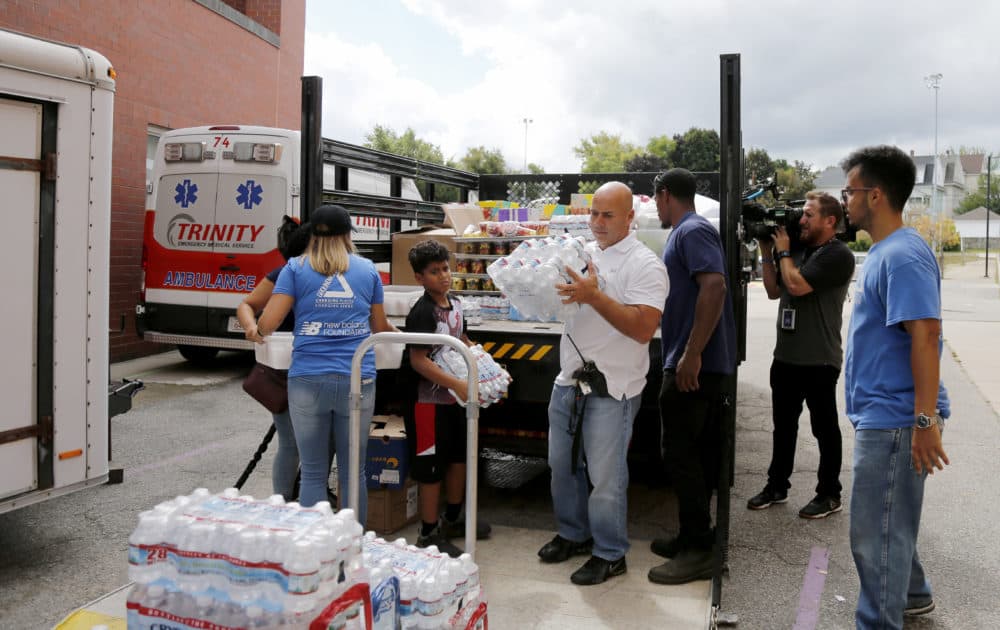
(292, 242)
(337, 299)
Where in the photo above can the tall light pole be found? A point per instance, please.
(526, 121)
(933, 81)
(989, 204)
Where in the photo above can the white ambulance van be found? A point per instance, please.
(218, 195)
(56, 105)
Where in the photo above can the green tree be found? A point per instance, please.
(483, 161)
(604, 153)
(661, 146)
(757, 166)
(696, 150)
(978, 198)
(646, 163)
(535, 169)
(796, 180)
(407, 144)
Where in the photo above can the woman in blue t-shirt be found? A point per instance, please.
(336, 296)
(292, 241)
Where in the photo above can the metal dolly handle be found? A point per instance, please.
(471, 414)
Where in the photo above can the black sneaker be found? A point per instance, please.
(597, 570)
(766, 497)
(821, 507)
(916, 607)
(456, 529)
(439, 540)
(559, 549)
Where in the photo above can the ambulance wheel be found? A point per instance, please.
(199, 355)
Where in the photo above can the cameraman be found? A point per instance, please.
(811, 281)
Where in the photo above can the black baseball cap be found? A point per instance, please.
(330, 220)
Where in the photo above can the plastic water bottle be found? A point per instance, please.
(472, 577)
(431, 605)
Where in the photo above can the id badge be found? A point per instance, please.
(788, 319)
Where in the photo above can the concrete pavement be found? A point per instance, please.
(771, 579)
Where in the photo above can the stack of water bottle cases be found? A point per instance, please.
(227, 561)
(527, 276)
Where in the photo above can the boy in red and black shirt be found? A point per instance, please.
(436, 426)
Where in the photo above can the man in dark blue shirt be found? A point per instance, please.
(699, 351)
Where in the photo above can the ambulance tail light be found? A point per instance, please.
(184, 152)
(269, 153)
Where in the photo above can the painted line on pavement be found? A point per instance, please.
(211, 446)
(812, 589)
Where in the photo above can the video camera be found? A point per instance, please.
(761, 222)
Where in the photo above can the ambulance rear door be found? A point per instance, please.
(257, 178)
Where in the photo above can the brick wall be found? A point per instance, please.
(179, 64)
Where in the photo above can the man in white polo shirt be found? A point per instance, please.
(591, 411)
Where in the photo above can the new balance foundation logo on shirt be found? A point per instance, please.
(335, 292)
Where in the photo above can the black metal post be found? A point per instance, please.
(311, 176)
(730, 204)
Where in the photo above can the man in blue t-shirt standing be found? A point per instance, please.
(699, 352)
(895, 398)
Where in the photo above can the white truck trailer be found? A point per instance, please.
(56, 105)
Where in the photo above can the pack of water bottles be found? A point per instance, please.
(493, 379)
(528, 275)
(229, 561)
(434, 590)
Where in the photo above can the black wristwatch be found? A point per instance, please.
(923, 421)
(783, 254)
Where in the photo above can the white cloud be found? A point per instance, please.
(818, 78)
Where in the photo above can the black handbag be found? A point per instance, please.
(268, 386)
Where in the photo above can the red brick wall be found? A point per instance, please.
(179, 65)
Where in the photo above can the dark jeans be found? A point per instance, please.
(691, 449)
(817, 386)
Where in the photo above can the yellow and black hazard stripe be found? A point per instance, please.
(516, 351)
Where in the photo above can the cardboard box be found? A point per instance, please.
(461, 216)
(390, 510)
(401, 271)
(388, 457)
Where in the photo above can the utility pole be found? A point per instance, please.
(933, 81)
(989, 204)
(526, 121)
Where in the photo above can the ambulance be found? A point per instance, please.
(216, 199)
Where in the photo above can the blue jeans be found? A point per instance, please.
(607, 429)
(318, 404)
(886, 499)
(286, 458)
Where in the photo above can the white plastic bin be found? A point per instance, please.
(276, 351)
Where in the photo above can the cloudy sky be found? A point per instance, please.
(819, 77)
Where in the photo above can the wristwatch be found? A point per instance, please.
(783, 254)
(923, 421)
